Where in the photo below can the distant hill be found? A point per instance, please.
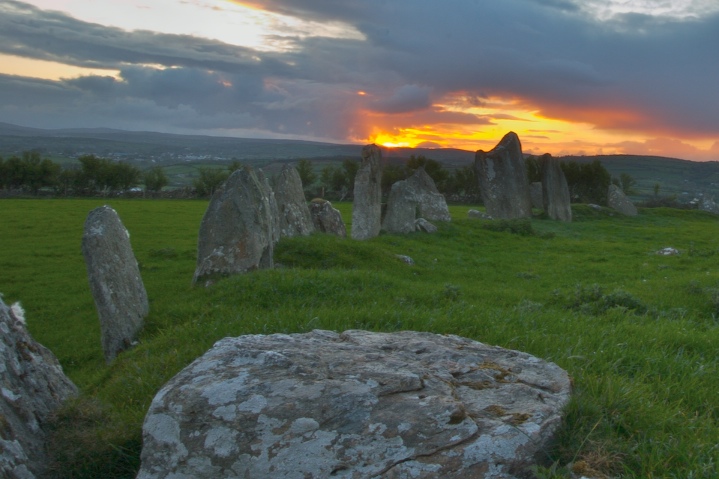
(675, 176)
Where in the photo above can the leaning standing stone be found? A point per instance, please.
(115, 280)
(367, 205)
(294, 215)
(239, 229)
(618, 201)
(503, 180)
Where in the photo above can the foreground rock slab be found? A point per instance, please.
(354, 405)
(239, 229)
(115, 280)
(32, 386)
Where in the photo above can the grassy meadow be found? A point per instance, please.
(638, 332)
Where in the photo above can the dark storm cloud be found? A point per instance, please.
(633, 72)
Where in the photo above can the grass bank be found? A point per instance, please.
(637, 331)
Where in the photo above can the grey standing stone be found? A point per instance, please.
(535, 194)
(555, 190)
(239, 229)
(618, 201)
(708, 204)
(367, 204)
(33, 386)
(417, 196)
(354, 405)
(294, 214)
(326, 218)
(503, 180)
(115, 280)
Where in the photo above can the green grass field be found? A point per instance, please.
(638, 332)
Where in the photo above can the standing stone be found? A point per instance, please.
(618, 201)
(115, 280)
(367, 204)
(535, 194)
(354, 405)
(294, 214)
(33, 386)
(327, 219)
(555, 191)
(708, 204)
(503, 180)
(417, 196)
(239, 229)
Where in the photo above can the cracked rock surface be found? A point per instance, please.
(354, 405)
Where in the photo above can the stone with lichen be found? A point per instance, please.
(354, 405)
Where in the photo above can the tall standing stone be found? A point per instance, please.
(33, 386)
(618, 201)
(555, 190)
(367, 205)
(239, 229)
(294, 214)
(417, 196)
(115, 280)
(503, 180)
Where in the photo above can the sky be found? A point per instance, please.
(579, 77)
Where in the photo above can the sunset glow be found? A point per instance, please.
(571, 77)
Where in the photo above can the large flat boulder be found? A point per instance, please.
(503, 180)
(239, 229)
(32, 387)
(354, 405)
(115, 280)
(367, 204)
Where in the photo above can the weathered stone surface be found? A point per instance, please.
(294, 214)
(115, 280)
(555, 190)
(239, 229)
(503, 181)
(417, 196)
(405, 259)
(708, 204)
(535, 195)
(355, 405)
(327, 219)
(480, 215)
(367, 204)
(32, 387)
(618, 201)
(424, 226)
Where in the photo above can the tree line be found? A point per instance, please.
(588, 182)
(30, 173)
